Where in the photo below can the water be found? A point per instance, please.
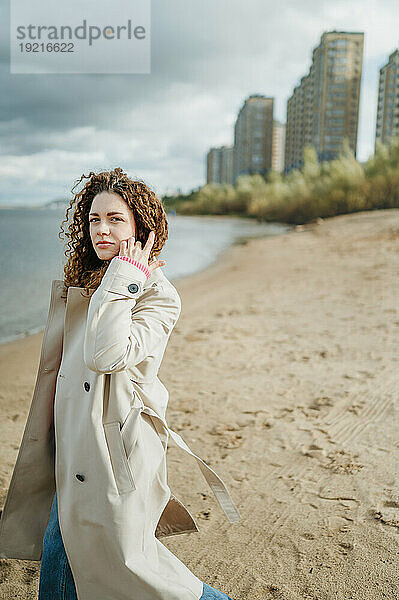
(33, 255)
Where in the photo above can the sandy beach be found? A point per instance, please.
(283, 376)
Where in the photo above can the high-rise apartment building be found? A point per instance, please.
(324, 107)
(227, 164)
(213, 166)
(253, 136)
(388, 100)
(219, 165)
(278, 146)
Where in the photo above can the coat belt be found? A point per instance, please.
(215, 483)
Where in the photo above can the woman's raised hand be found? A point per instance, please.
(134, 250)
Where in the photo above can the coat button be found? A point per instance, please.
(80, 477)
(87, 386)
(133, 288)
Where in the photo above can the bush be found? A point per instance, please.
(317, 190)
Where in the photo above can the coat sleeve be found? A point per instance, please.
(126, 323)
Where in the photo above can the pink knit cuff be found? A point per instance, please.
(136, 264)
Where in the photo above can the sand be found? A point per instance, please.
(283, 376)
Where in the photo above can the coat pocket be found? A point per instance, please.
(130, 429)
(119, 460)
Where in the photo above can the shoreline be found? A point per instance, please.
(239, 241)
(282, 376)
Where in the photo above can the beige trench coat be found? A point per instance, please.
(96, 430)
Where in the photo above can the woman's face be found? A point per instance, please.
(110, 220)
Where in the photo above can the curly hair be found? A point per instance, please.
(83, 267)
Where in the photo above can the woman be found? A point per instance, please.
(94, 445)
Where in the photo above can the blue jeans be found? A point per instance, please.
(56, 580)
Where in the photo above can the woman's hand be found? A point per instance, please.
(136, 252)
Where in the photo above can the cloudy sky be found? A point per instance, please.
(207, 56)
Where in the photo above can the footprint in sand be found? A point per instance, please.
(285, 413)
(307, 535)
(314, 451)
(321, 402)
(341, 461)
(391, 504)
(345, 547)
(204, 514)
(356, 407)
(388, 514)
(182, 423)
(228, 436)
(315, 409)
